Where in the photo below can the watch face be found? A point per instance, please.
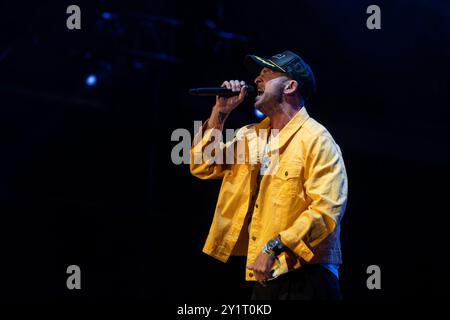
(272, 244)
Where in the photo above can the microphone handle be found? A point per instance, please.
(221, 92)
(218, 91)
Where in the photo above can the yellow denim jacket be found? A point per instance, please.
(303, 198)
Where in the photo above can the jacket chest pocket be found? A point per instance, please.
(288, 182)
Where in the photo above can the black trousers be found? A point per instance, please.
(309, 282)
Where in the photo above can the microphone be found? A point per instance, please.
(218, 91)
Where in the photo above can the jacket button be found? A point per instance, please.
(286, 173)
(251, 274)
(254, 238)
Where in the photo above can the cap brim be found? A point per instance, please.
(255, 63)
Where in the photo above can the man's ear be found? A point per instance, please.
(291, 87)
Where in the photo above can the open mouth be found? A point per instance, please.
(260, 92)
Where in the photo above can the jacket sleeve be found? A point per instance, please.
(208, 139)
(326, 187)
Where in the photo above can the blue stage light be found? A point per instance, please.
(106, 15)
(258, 113)
(91, 80)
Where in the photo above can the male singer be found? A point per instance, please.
(284, 215)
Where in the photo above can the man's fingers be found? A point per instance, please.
(260, 276)
(237, 86)
(234, 85)
(243, 92)
(231, 82)
(226, 84)
(257, 276)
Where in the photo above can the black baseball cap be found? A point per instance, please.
(289, 63)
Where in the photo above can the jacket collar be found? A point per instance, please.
(288, 130)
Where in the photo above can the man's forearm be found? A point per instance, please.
(217, 119)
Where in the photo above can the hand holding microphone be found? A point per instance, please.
(228, 104)
(226, 100)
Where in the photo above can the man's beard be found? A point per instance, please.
(270, 101)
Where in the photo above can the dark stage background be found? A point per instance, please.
(86, 176)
